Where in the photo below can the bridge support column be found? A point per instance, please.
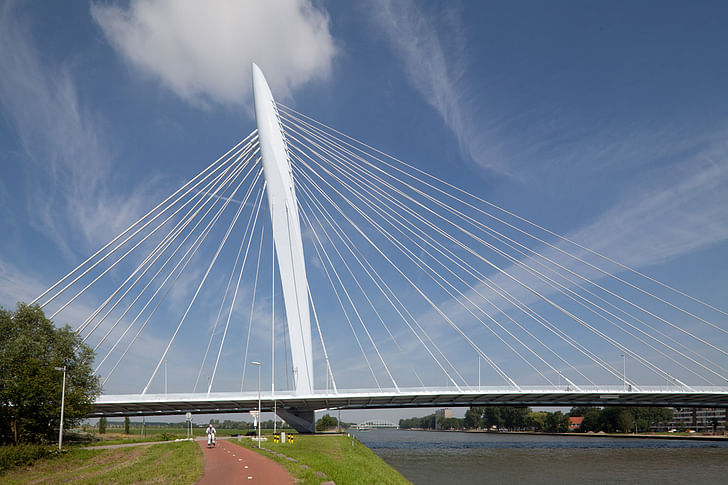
(283, 207)
(302, 421)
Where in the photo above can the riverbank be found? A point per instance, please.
(695, 437)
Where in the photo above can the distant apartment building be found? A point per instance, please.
(700, 420)
(442, 413)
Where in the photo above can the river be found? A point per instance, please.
(500, 458)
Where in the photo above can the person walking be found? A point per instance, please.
(211, 436)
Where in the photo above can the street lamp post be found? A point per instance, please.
(63, 402)
(260, 420)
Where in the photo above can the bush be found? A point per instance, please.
(14, 455)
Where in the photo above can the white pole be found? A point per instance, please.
(63, 402)
(624, 373)
(273, 342)
(259, 415)
(165, 377)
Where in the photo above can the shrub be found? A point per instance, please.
(24, 454)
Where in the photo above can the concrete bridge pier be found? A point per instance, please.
(302, 420)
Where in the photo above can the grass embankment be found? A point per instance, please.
(343, 459)
(174, 463)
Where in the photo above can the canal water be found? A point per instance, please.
(426, 458)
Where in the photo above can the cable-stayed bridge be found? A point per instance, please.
(346, 277)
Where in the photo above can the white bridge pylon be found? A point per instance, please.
(283, 207)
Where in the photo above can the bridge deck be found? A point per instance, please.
(217, 403)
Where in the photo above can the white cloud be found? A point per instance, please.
(203, 51)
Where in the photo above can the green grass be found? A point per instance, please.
(173, 463)
(343, 459)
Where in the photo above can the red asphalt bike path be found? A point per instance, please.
(229, 463)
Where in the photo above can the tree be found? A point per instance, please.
(514, 417)
(581, 410)
(492, 417)
(536, 420)
(473, 418)
(30, 388)
(326, 422)
(557, 422)
(613, 419)
(450, 423)
(126, 424)
(425, 422)
(102, 425)
(645, 417)
(591, 420)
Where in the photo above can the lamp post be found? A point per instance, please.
(63, 402)
(259, 416)
(624, 373)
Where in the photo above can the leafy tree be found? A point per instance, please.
(645, 417)
(30, 388)
(473, 418)
(591, 420)
(450, 423)
(126, 425)
(581, 410)
(614, 419)
(557, 422)
(326, 422)
(425, 422)
(102, 425)
(625, 421)
(492, 417)
(514, 417)
(536, 420)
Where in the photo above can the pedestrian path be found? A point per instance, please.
(229, 463)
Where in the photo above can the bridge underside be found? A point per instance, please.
(303, 406)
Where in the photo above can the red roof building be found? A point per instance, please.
(575, 422)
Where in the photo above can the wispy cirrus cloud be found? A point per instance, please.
(63, 152)
(436, 67)
(203, 51)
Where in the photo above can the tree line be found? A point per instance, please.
(511, 418)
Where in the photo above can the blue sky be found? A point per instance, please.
(600, 120)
